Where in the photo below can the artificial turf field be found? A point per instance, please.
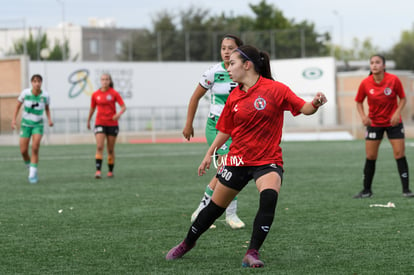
(71, 223)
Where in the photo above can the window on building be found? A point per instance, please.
(93, 46)
(118, 47)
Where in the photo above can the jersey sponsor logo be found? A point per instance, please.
(387, 91)
(221, 77)
(235, 109)
(232, 86)
(260, 103)
(371, 91)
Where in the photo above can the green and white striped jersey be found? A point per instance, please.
(33, 107)
(217, 80)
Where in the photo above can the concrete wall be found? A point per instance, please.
(13, 71)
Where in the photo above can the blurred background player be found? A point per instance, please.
(217, 80)
(35, 102)
(386, 99)
(106, 122)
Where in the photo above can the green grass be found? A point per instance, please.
(126, 225)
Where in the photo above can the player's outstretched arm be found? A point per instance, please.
(311, 107)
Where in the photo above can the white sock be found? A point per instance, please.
(204, 201)
(32, 171)
(232, 208)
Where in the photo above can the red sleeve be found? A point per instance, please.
(399, 88)
(93, 100)
(292, 102)
(225, 122)
(360, 96)
(119, 99)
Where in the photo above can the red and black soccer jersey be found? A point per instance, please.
(255, 120)
(382, 98)
(105, 104)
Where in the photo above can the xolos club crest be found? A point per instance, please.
(260, 103)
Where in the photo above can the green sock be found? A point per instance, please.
(209, 191)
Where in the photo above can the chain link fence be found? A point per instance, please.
(127, 44)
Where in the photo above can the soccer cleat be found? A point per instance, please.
(363, 195)
(234, 221)
(98, 174)
(33, 180)
(178, 251)
(251, 259)
(408, 194)
(110, 174)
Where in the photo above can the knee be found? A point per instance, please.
(399, 154)
(99, 148)
(24, 151)
(35, 149)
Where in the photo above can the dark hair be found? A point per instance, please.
(380, 56)
(38, 76)
(111, 83)
(260, 60)
(236, 39)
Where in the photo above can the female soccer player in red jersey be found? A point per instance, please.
(106, 122)
(217, 80)
(253, 117)
(386, 99)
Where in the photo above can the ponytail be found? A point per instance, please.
(260, 60)
(265, 70)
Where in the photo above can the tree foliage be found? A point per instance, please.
(35, 45)
(195, 35)
(403, 51)
(360, 50)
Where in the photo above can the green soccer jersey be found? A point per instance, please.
(33, 107)
(217, 80)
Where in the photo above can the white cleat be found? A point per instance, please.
(234, 221)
